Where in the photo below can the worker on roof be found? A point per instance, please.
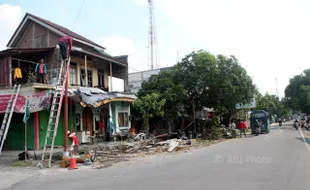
(65, 44)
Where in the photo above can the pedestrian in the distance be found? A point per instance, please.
(233, 128)
(242, 127)
(65, 45)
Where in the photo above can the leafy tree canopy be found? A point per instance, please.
(297, 93)
(201, 79)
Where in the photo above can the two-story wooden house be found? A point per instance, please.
(91, 100)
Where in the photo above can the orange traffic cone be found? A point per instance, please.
(72, 164)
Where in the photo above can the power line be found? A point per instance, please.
(78, 15)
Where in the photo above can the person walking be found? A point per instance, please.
(242, 127)
(65, 45)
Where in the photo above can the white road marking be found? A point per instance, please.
(303, 137)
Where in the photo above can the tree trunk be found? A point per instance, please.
(182, 123)
(169, 122)
(146, 126)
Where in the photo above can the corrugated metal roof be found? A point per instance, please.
(97, 97)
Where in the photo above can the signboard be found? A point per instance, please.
(38, 102)
(252, 104)
(258, 115)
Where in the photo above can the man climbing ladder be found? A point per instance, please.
(65, 44)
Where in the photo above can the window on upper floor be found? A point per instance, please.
(101, 78)
(73, 74)
(89, 78)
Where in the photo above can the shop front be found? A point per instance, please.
(102, 116)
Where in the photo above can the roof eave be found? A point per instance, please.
(28, 16)
(98, 56)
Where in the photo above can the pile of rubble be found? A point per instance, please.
(104, 156)
(160, 146)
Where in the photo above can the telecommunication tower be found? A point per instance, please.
(153, 43)
(276, 79)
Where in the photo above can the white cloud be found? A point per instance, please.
(270, 38)
(119, 45)
(141, 2)
(10, 17)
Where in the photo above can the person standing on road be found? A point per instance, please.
(233, 128)
(242, 128)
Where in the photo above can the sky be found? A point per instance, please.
(271, 38)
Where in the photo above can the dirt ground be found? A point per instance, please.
(113, 152)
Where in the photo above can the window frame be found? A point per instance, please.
(125, 118)
(89, 77)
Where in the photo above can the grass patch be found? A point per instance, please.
(22, 163)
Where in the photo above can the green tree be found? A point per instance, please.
(233, 85)
(273, 105)
(167, 89)
(217, 82)
(201, 80)
(297, 93)
(150, 106)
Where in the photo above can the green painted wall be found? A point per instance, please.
(16, 133)
(59, 140)
(120, 107)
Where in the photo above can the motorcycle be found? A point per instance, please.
(296, 125)
(257, 130)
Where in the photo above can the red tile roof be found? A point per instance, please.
(64, 30)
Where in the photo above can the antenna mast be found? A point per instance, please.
(276, 79)
(153, 43)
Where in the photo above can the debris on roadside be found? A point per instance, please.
(138, 146)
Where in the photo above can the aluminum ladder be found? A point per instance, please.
(55, 111)
(8, 115)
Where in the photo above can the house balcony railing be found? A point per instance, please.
(51, 79)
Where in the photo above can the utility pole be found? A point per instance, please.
(66, 115)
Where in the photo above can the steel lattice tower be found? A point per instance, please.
(153, 43)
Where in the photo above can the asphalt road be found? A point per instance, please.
(278, 160)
